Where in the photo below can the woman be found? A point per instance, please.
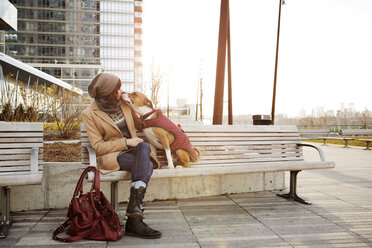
(111, 122)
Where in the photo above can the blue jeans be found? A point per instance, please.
(137, 161)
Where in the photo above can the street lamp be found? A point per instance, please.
(281, 2)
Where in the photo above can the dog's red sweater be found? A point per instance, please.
(181, 141)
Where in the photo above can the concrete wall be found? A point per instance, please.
(59, 182)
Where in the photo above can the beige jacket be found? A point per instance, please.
(106, 138)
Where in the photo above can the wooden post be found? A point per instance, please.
(229, 86)
(221, 61)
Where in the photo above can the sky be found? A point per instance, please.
(325, 53)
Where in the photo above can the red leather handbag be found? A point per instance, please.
(90, 215)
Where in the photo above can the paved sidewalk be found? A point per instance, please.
(340, 216)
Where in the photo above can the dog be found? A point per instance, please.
(162, 133)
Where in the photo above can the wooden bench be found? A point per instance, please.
(356, 132)
(230, 150)
(367, 143)
(345, 139)
(313, 133)
(20, 162)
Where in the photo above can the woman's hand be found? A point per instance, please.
(133, 142)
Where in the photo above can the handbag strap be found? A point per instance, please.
(77, 237)
(95, 183)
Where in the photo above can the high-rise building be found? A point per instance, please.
(73, 40)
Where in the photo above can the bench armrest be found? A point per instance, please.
(34, 160)
(92, 157)
(321, 153)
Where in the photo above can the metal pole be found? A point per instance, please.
(201, 99)
(197, 99)
(168, 97)
(221, 61)
(276, 66)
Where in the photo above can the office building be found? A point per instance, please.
(73, 40)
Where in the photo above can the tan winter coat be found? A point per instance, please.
(106, 138)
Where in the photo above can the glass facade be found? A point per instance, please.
(75, 39)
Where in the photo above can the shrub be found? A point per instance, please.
(31, 114)
(7, 113)
(19, 113)
(40, 103)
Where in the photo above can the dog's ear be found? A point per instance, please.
(149, 104)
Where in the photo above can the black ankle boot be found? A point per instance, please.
(142, 204)
(136, 227)
(134, 205)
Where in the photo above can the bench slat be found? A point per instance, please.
(233, 158)
(21, 134)
(239, 128)
(20, 140)
(21, 126)
(244, 160)
(222, 170)
(21, 145)
(222, 134)
(255, 146)
(273, 143)
(20, 179)
(233, 139)
(196, 144)
(222, 152)
(19, 167)
(356, 132)
(336, 138)
(18, 151)
(85, 140)
(226, 134)
(271, 155)
(14, 163)
(18, 157)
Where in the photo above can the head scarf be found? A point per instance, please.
(101, 88)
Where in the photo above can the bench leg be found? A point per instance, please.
(5, 212)
(367, 146)
(346, 144)
(292, 190)
(114, 195)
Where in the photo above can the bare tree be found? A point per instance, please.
(156, 81)
(324, 119)
(364, 119)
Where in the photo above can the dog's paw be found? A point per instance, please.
(171, 166)
(179, 167)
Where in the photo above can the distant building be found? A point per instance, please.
(13, 71)
(8, 21)
(319, 111)
(73, 40)
(351, 107)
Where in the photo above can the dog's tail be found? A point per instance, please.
(198, 157)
